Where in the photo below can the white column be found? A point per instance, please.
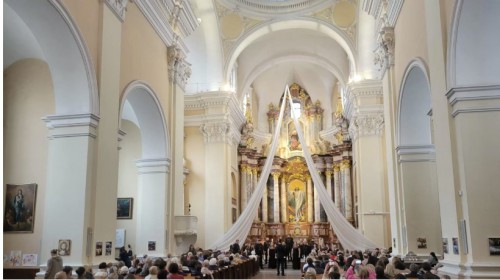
(328, 174)
(283, 200)
(276, 196)
(254, 185)
(346, 170)
(152, 205)
(336, 184)
(309, 200)
(69, 190)
(316, 206)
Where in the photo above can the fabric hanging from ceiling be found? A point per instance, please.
(349, 237)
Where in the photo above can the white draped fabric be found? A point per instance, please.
(349, 237)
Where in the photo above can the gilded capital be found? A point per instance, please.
(336, 167)
(329, 173)
(346, 164)
(276, 175)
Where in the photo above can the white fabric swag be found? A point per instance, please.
(349, 237)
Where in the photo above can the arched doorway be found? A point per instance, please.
(417, 183)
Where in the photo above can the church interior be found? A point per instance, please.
(150, 123)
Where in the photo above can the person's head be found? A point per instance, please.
(363, 273)
(20, 192)
(153, 270)
(53, 252)
(379, 271)
(103, 265)
(213, 261)
(123, 270)
(80, 271)
(173, 268)
(399, 265)
(414, 268)
(309, 261)
(310, 273)
(426, 266)
(334, 275)
(433, 255)
(61, 275)
(68, 270)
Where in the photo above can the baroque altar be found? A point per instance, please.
(290, 205)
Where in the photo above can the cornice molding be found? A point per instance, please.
(355, 94)
(416, 153)
(167, 17)
(474, 99)
(153, 165)
(75, 125)
(222, 118)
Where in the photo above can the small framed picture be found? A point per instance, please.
(422, 243)
(30, 260)
(109, 246)
(151, 245)
(445, 245)
(454, 241)
(64, 248)
(98, 248)
(124, 208)
(494, 243)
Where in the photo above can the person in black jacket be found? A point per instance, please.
(259, 251)
(280, 257)
(235, 248)
(124, 257)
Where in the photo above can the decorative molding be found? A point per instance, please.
(121, 135)
(366, 125)
(386, 13)
(76, 125)
(173, 20)
(356, 92)
(416, 153)
(474, 99)
(118, 7)
(179, 70)
(153, 165)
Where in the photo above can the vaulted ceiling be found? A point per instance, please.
(271, 44)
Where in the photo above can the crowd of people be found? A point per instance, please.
(314, 261)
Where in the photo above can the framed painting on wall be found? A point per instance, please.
(494, 245)
(64, 248)
(124, 208)
(19, 211)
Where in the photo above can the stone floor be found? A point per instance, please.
(270, 273)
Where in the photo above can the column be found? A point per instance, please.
(346, 173)
(283, 200)
(243, 186)
(309, 200)
(276, 196)
(254, 185)
(70, 166)
(328, 174)
(265, 209)
(152, 205)
(336, 184)
(317, 212)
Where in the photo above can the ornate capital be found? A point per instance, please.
(346, 164)
(179, 70)
(366, 125)
(255, 170)
(384, 54)
(336, 167)
(276, 175)
(328, 173)
(215, 132)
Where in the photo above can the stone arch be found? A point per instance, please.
(140, 104)
(72, 71)
(473, 44)
(311, 24)
(314, 59)
(413, 127)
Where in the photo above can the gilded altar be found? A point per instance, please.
(290, 205)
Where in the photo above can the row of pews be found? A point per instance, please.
(245, 270)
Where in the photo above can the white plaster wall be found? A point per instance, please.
(479, 179)
(127, 177)
(28, 97)
(195, 161)
(421, 206)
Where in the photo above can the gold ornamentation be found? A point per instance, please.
(339, 112)
(346, 164)
(329, 173)
(276, 175)
(339, 137)
(336, 167)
